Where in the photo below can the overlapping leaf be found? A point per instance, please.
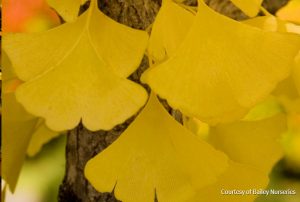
(169, 29)
(222, 68)
(81, 77)
(167, 160)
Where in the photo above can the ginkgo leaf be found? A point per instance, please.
(121, 47)
(237, 177)
(82, 76)
(249, 7)
(146, 159)
(68, 9)
(40, 136)
(18, 127)
(290, 12)
(222, 68)
(255, 143)
(169, 29)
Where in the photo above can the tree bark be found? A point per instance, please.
(82, 144)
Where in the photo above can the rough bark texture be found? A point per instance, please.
(82, 144)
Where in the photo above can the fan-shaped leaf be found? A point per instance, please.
(168, 160)
(223, 68)
(82, 76)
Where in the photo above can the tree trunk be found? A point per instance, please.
(82, 144)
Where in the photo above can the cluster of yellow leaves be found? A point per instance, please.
(252, 144)
(222, 91)
(148, 159)
(95, 90)
(89, 68)
(214, 71)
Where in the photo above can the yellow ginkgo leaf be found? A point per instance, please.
(40, 136)
(18, 127)
(168, 160)
(290, 12)
(237, 177)
(121, 47)
(169, 29)
(68, 9)
(249, 7)
(80, 78)
(255, 143)
(222, 68)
